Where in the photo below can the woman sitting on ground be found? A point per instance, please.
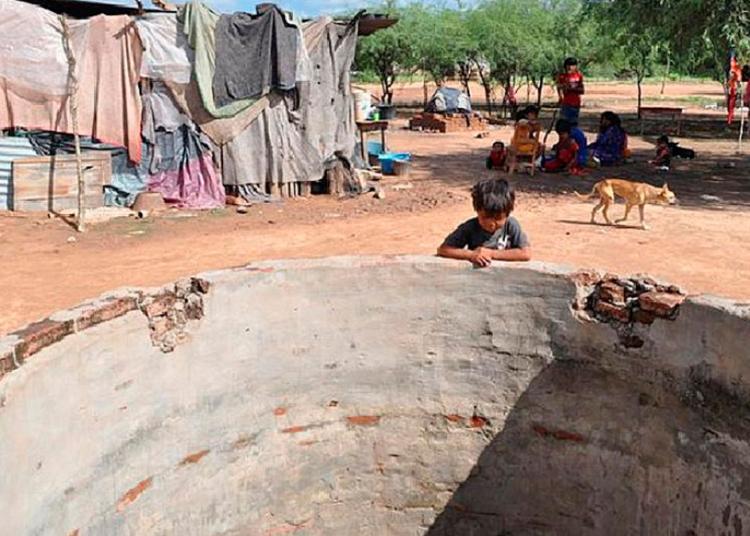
(611, 145)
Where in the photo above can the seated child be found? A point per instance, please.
(497, 157)
(494, 235)
(663, 154)
(611, 145)
(524, 139)
(566, 150)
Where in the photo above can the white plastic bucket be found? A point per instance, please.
(362, 104)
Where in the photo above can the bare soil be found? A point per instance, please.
(701, 244)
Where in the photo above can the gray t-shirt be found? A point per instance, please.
(470, 234)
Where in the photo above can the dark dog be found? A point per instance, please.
(680, 152)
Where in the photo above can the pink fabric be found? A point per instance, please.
(194, 185)
(108, 52)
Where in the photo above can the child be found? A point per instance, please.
(569, 89)
(497, 157)
(566, 150)
(611, 144)
(663, 154)
(493, 235)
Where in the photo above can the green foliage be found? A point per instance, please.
(506, 40)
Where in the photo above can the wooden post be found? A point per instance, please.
(742, 118)
(73, 101)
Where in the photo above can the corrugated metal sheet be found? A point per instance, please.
(10, 149)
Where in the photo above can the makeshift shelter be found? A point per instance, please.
(260, 103)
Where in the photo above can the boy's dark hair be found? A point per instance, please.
(663, 139)
(570, 61)
(494, 197)
(563, 125)
(498, 142)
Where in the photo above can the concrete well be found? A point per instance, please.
(379, 396)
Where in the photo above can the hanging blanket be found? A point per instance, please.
(254, 54)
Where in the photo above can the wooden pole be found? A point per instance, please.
(742, 117)
(73, 101)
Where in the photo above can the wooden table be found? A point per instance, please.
(660, 112)
(371, 126)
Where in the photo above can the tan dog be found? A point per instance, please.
(634, 193)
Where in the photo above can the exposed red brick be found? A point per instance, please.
(453, 417)
(560, 435)
(160, 304)
(200, 286)
(564, 435)
(617, 312)
(280, 411)
(363, 420)
(112, 309)
(133, 493)
(294, 429)
(39, 335)
(585, 278)
(644, 317)
(477, 421)
(194, 457)
(662, 304)
(612, 292)
(6, 363)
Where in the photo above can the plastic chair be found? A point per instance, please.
(524, 148)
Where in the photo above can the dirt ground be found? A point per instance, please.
(701, 244)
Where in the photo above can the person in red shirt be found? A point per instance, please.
(566, 150)
(497, 157)
(569, 89)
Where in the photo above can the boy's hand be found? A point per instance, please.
(481, 257)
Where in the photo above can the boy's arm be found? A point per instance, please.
(480, 256)
(515, 254)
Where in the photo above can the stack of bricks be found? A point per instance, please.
(447, 122)
(637, 300)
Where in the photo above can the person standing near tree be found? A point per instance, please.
(569, 89)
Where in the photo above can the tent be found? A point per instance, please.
(199, 101)
(449, 100)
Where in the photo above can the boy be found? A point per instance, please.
(497, 157)
(663, 154)
(566, 150)
(569, 89)
(493, 235)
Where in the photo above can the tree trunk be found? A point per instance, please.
(464, 72)
(486, 85)
(539, 90)
(639, 79)
(666, 74)
(528, 90)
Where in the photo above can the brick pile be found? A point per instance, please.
(446, 123)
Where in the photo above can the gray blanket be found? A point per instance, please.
(254, 54)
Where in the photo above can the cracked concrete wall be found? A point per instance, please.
(383, 396)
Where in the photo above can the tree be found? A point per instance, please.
(387, 53)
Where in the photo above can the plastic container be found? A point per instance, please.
(387, 111)
(362, 104)
(401, 168)
(387, 160)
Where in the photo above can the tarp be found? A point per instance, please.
(449, 100)
(181, 168)
(166, 54)
(108, 54)
(285, 144)
(33, 58)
